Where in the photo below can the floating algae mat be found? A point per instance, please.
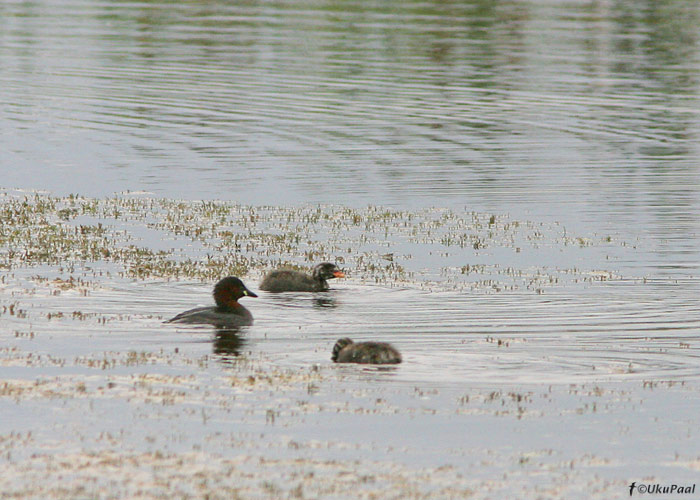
(513, 333)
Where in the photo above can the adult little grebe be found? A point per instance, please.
(286, 280)
(227, 312)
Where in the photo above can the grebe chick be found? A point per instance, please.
(286, 280)
(377, 353)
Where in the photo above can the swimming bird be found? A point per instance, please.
(227, 312)
(378, 353)
(286, 280)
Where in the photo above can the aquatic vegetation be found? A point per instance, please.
(157, 238)
(87, 282)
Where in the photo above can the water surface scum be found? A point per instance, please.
(158, 238)
(499, 321)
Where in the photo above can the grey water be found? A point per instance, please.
(580, 113)
(574, 109)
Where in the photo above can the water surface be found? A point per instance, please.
(511, 187)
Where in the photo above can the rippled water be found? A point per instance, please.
(596, 335)
(579, 121)
(573, 111)
(589, 109)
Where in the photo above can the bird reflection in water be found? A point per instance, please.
(325, 302)
(228, 342)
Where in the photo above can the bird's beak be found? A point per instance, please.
(248, 293)
(339, 274)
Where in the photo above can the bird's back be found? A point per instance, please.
(290, 281)
(367, 352)
(214, 316)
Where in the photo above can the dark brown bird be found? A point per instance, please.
(227, 312)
